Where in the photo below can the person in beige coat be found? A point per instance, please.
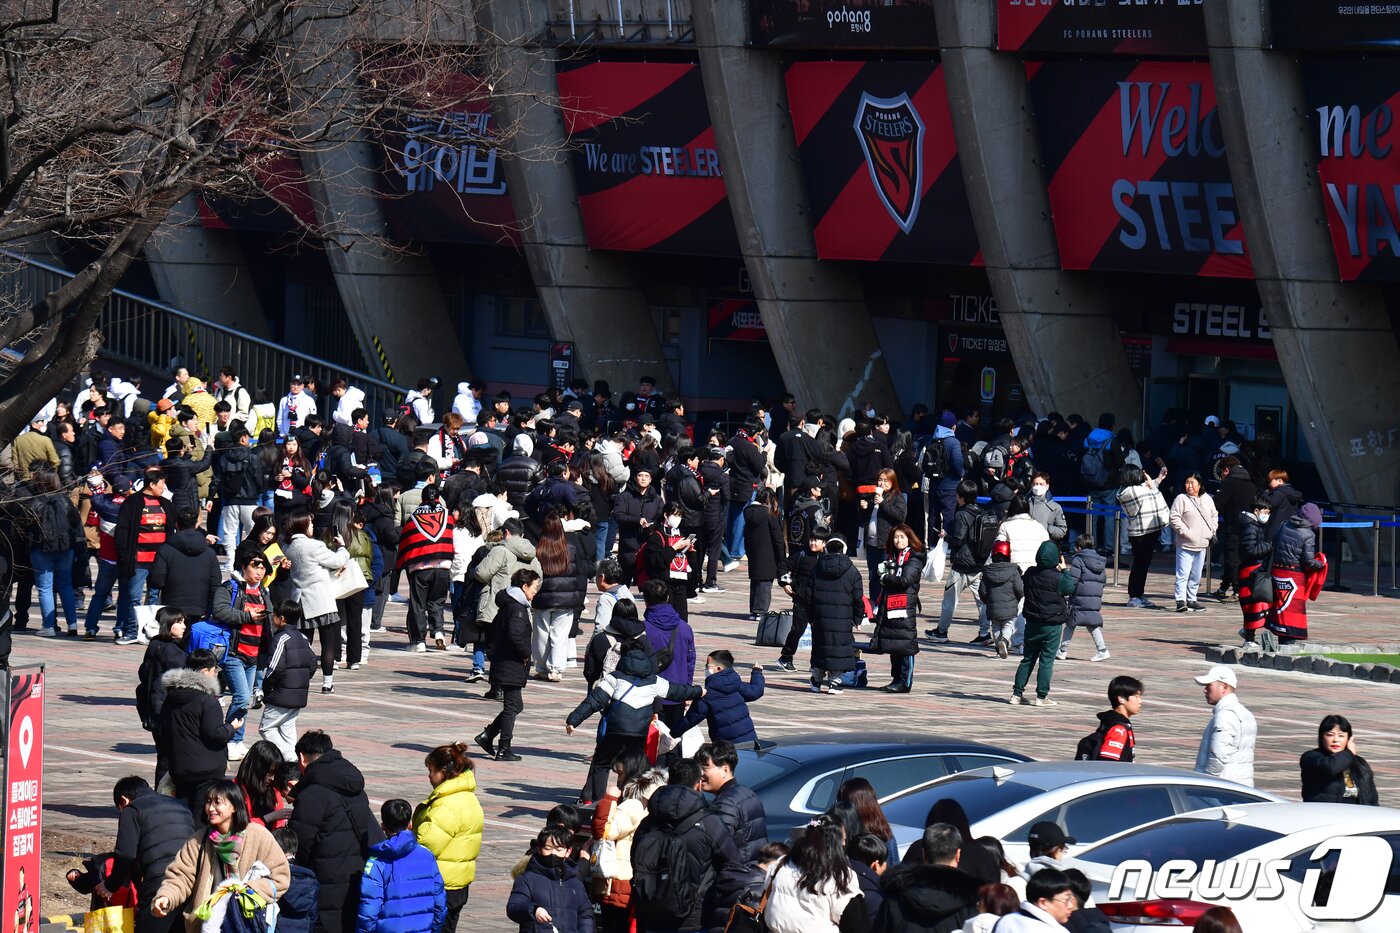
(1194, 521)
(225, 844)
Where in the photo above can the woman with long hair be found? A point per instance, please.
(905, 454)
(566, 565)
(313, 563)
(616, 818)
(164, 653)
(1194, 522)
(602, 492)
(765, 545)
(860, 793)
(975, 860)
(1011, 876)
(450, 822)
(1335, 772)
(225, 844)
(348, 525)
(814, 888)
(291, 478)
(897, 606)
(889, 507)
(257, 775)
(54, 531)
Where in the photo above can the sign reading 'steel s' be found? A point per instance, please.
(1135, 160)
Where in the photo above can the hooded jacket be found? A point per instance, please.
(296, 908)
(449, 825)
(401, 890)
(921, 898)
(725, 708)
(1255, 543)
(1295, 547)
(617, 631)
(335, 830)
(162, 655)
(898, 631)
(496, 569)
(239, 475)
(186, 572)
(510, 638)
(1088, 569)
(555, 888)
(662, 622)
(1046, 588)
(835, 606)
(708, 842)
(1001, 589)
(627, 696)
(1236, 495)
(1284, 501)
(353, 398)
(193, 736)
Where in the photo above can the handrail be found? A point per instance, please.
(135, 337)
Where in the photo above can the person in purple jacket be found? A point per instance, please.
(667, 630)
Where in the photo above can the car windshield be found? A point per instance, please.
(758, 769)
(980, 797)
(1194, 839)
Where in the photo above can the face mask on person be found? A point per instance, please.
(673, 522)
(1040, 490)
(551, 862)
(1263, 516)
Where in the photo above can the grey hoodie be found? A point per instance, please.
(496, 569)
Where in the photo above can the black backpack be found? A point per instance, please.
(666, 876)
(1088, 747)
(935, 460)
(53, 532)
(983, 536)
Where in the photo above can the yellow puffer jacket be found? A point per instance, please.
(449, 825)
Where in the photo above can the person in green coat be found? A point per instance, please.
(1047, 585)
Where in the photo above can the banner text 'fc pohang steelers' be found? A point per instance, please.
(645, 163)
(1135, 159)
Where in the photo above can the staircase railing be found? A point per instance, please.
(146, 334)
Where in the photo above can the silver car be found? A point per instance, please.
(1090, 800)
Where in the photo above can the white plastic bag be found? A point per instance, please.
(937, 563)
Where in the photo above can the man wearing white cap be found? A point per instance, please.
(1227, 746)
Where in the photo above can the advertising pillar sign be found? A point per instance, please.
(1137, 171)
(561, 364)
(24, 786)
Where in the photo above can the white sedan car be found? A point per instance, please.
(1091, 800)
(1281, 867)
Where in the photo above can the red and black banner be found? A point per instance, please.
(644, 158)
(1116, 27)
(736, 319)
(442, 179)
(1354, 108)
(1136, 164)
(881, 163)
(822, 24)
(1331, 24)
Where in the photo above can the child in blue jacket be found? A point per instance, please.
(296, 909)
(401, 890)
(548, 894)
(725, 705)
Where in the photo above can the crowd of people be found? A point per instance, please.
(271, 539)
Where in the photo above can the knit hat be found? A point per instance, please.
(947, 420)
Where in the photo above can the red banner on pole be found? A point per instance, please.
(24, 803)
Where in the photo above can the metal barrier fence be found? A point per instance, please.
(147, 335)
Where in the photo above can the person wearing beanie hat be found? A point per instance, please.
(1001, 589)
(943, 466)
(1047, 585)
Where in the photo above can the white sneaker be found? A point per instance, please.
(1043, 701)
(732, 565)
(418, 647)
(398, 599)
(454, 648)
(1101, 655)
(698, 599)
(1135, 603)
(1062, 655)
(237, 751)
(1016, 700)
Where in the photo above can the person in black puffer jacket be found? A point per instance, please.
(714, 478)
(738, 807)
(334, 827)
(567, 561)
(1335, 772)
(1047, 584)
(186, 569)
(548, 892)
(180, 471)
(766, 547)
(1284, 501)
(519, 473)
(193, 734)
(896, 622)
(1255, 548)
(510, 661)
(1236, 497)
(151, 830)
(705, 838)
(746, 465)
(639, 502)
(836, 606)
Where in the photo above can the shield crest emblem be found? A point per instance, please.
(891, 135)
(952, 343)
(431, 522)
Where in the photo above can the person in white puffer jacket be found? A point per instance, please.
(814, 886)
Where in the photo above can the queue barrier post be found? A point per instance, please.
(1116, 555)
(1375, 557)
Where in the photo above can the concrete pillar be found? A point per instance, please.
(204, 272)
(1059, 327)
(814, 312)
(1335, 343)
(589, 298)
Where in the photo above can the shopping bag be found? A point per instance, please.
(110, 920)
(146, 625)
(937, 564)
(350, 581)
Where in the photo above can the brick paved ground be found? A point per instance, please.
(387, 715)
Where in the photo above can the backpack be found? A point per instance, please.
(405, 408)
(935, 460)
(639, 572)
(52, 530)
(1093, 469)
(984, 535)
(666, 876)
(663, 658)
(1088, 747)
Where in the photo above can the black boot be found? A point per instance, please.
(505, 754)
(485, 742)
